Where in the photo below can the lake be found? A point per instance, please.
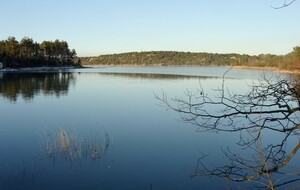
(121, 138)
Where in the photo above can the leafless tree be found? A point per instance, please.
(271, 107)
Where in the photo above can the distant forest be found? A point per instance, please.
(290, 61)
(28, 53)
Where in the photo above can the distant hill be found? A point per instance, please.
(290, 61)
(186, 58)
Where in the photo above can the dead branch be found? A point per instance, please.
(269, 107)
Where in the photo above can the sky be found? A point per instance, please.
(96, 27)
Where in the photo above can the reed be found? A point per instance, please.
(48, 141)
(63, 141)
(74, 148)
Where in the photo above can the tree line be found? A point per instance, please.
(290, 61)
(28, 53)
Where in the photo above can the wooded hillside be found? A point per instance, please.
(289, 61)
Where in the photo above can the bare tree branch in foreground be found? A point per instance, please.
(285, 4)
(269, 108)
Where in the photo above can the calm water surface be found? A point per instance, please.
(149, 147)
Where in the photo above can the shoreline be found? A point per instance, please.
(275, 69)
(46, 68)
(40, 69)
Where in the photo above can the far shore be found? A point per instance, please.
(46, 68)
(267, 68)
(275, 69)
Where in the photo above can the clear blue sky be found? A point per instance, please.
(94, 27)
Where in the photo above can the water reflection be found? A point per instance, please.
(28, 85)
(156, 76)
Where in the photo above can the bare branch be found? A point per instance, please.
(285, 4)
(269, 106)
